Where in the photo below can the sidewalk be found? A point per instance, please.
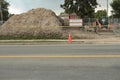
(56, 41)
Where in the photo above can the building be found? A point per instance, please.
(71, 19)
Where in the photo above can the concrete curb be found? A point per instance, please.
(77, 41)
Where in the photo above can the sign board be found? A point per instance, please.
(65, 17)
(75, 22)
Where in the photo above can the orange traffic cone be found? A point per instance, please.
(69, 38)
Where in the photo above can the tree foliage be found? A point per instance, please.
(4, 8)
(100, 13)
(83, 8)
(116, 8)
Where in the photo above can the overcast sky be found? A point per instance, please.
(20, 6)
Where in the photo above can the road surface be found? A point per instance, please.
(67, 49)
(59, 68)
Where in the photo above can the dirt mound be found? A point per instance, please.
(33, 22)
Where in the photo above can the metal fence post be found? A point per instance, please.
(1, 14)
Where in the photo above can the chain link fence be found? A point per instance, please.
(113, 22)
(115, 25)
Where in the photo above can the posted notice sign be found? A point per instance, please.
(75, 22)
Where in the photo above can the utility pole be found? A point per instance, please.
(1, 13)
(107, 9)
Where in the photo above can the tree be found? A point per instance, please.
(100, 13)
(83, 8)
(4, 10)
(116, 8)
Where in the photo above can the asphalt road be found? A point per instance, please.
(64, 49)
(26, 68)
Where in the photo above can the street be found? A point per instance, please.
(58, 68)
(63, 49)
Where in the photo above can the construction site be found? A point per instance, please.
(43, 23)
(43, 43)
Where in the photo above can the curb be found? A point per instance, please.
(94, 41)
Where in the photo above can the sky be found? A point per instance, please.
(21, 6)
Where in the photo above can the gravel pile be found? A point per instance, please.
(33, 22)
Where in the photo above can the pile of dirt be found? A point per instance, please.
(33, 22)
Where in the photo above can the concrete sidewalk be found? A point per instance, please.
(56, 41)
